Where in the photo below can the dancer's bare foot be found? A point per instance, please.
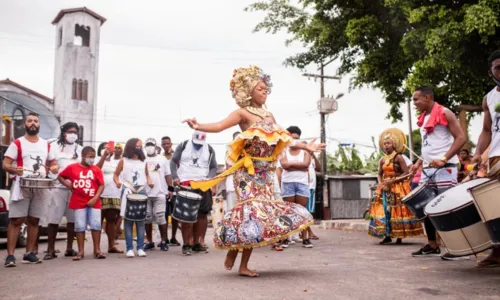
(229, 260)
(248, 273)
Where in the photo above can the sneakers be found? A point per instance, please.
(130, 253)
(284, 244)
(31, 258)
(307, 244)
(186, 250)
(141, 253)
(149, 246)
(292, 242)
(427, 250)
(200, 249)
(10, 261)
(163, 246)
(449, 256)
(174, 242)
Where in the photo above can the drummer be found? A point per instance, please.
(193, 160)
(66, 152)
(30, 152)
(442, 139)
(490, 136)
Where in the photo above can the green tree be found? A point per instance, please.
(395, 45)
(346, 161)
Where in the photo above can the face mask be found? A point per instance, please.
(71, 138)
(31, 131)
(497, 82)
(138, 152)
(150, 150)
(89, 161)
(197, 147)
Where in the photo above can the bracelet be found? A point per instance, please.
(171, 189)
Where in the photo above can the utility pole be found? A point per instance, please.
(323, 114)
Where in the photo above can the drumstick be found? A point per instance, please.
(416, 155)
(34, 172)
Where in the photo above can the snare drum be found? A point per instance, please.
(136, 207)
(417, 199)
(186, 206)
(486, 197)
(457, 220)
(37, 183)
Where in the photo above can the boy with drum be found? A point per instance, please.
(490, 136)
(86, 183)
(442, 139)
(23, 156)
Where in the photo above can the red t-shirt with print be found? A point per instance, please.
(85, 182)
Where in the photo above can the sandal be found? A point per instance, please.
(115, 250)
(77, 257)
(277, 248)
(100, 255)
(70, 253)
(314, 237)
(50, 256)
(488, 263)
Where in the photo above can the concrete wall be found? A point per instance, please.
(72, 61)
(349, 195)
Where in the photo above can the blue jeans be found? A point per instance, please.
(139, 231)
(310, 202)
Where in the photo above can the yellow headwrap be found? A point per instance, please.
(398, 139)
(244, 81)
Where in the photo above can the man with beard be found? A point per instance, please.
(490, 136)
(166, 144)
(27, 204)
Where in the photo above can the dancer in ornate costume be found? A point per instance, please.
(389, 218)
(256, 220)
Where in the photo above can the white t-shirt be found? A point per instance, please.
(30, 156)
(66, 155)
(110, 188)
(295, 176)
(158, 168)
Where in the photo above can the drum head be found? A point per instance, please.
(189, 195)
(453, 198)
(415, 191)
(137, 197)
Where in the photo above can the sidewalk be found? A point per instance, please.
(349, 224)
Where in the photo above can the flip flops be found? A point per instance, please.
(49, 256)
(100, 255)
(70, 253)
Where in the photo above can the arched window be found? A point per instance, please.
(85, 90)
(73, 89)
(79, 88)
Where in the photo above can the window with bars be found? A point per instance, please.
(79, 89)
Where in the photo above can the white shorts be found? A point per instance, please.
(59, 207)
(35, 203)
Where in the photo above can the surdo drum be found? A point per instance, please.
(457, 220)
(186, 206)
(486, 197)
(136, 207)
(418, 198)
(37, 183)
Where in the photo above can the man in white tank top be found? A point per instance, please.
(490, 136)
(442, 139)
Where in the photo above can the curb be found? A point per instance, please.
(347, 225)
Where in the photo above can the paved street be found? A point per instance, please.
(342, 265)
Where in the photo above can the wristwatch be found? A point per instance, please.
(444, 159)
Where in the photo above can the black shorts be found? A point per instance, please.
(205, 206)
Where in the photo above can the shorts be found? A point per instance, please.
(111, 203)
(87, 216)
(291, 189)
(230, 200)
(33, 204)
(59, 207)
(156, 207)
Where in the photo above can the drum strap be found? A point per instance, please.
(131, 187)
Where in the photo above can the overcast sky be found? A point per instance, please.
(162, 61)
